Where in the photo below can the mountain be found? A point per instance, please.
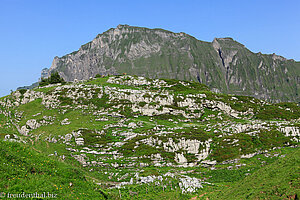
(130, 137)
(29, 87)
(224, 65)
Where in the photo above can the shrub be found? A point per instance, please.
(22, 91)
(53, 79)
(98, 76)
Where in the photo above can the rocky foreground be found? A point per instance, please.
(134, 134)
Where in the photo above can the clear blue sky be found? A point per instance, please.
(33, 32)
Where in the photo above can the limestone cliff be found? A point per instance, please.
(224, 64)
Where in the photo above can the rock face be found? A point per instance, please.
(224, 64)
(45, 73)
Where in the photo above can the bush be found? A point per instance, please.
(22, 91)
(98, 76)
(53, 79)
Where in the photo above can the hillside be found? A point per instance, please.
(28, 170)
(133, 137)
(224, 65)
(279, 180)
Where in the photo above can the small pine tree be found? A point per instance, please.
(53, 79)
(98, 76)
(43, 82)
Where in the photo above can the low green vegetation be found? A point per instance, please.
(279, 111)
(29, 171)
(128, 137)
(53, 79)
(278, 180)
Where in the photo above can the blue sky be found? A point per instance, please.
(33, 32)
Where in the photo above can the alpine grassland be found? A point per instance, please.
(131, 137)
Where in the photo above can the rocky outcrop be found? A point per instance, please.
(33, 124)
(65, 122)
(78, 139)
(180, 159)
(188, 184)
(291, 131)
(196, 125)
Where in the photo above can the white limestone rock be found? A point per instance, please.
(33, 124)
(290, 131)
(65, 122)
(248, 155)
(68, 137)
(132, 125)
(79, 141)
(180, 159)
(24, 130)
(189, 185)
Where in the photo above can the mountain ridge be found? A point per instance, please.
(224, 64)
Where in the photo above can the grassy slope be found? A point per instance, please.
(15, 179)
(279, 180)
(26, 170)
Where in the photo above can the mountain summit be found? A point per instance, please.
(224, 64)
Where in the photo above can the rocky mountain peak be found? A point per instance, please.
(224, 64)
(277, 57)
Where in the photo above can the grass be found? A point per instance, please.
(45, 90)
(28, 163)
(279, 111)
(25, 170)
(278, 180)
(224, 150)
